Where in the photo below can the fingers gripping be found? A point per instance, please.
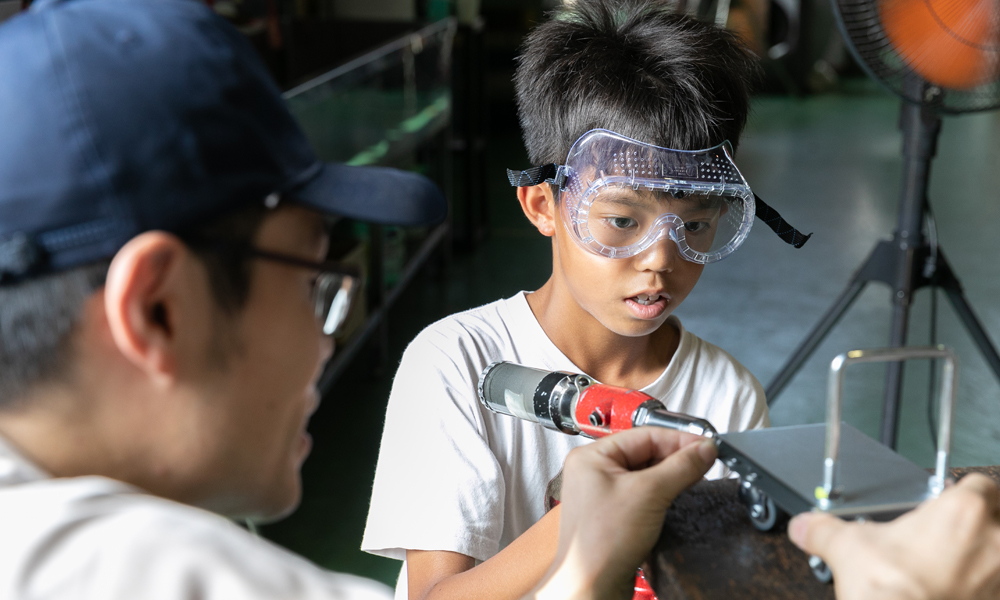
(983, 487)
(683, 468)
(669, 461)
(816, 533)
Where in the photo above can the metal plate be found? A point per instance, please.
(787, 464)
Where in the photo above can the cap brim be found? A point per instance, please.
(374, 194)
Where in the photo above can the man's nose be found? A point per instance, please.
(326, 348)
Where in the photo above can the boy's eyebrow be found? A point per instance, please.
(624, 199)
(701, 202)
(704, 202)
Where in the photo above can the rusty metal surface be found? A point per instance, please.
(708, 549)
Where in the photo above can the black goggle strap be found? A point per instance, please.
(780, 226)
(537, 175)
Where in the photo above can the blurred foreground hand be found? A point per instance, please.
(948, 548)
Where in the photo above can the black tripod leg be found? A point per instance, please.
(816, 336)
(949, 283)
(894, 372)
(921, 127)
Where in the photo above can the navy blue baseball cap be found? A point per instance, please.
(123, 116)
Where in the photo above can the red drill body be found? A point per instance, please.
(605, 409)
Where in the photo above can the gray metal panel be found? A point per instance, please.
(874, 479)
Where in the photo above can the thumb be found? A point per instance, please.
(814, 532)
(682, 469)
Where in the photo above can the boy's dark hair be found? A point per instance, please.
(636, 68)
(38, 316)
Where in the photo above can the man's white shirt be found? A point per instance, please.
(454, 476)
(96, 538)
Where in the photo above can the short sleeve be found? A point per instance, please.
(752, 403)
(438, 485)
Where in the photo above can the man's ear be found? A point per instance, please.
(538, 204)
(143, 294)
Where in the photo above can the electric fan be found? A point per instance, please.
(941, 57)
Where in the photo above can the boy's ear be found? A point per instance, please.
(538, 204)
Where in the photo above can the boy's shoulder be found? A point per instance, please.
(710, 360)
(490, 328)
(707, 381)
(456, 349)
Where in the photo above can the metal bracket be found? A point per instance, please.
(828, 492)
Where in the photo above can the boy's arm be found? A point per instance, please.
(438, 484)
(511, 573)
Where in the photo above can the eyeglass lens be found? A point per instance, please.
(334, 292)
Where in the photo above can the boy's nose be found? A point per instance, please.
(661, 256)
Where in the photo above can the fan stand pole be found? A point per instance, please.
(906, 264)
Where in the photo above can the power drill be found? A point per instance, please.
(575, 404)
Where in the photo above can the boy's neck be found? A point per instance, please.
(632, 362)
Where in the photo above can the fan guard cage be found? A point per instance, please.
(862, 27)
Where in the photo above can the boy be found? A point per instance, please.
(461, 494)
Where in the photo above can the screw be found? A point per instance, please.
(756, 511)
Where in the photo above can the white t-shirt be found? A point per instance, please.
(454, 476)
(84, 538)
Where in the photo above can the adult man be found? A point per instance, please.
(161, 275)
(163, 305)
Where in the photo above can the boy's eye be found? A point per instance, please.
(695, 226)
(622, 222)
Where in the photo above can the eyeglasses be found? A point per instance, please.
(333, 289)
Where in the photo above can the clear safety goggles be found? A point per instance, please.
(619, 196)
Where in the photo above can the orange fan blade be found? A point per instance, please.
(951, 43)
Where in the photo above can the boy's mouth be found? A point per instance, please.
(648, 306)
(646, 299)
